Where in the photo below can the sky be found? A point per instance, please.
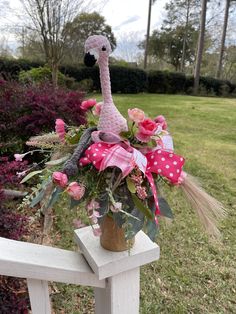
(128, 19)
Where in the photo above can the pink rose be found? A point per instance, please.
(60, 129)
(86, 104)
(60, 178)
(97, 109)
(75, 190)
(146, 129)
(136, 115)
(162, 121)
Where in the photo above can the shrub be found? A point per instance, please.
(123, 79)
(13, 297)
(42, 75)
(10, 69)
(83, 73)
(30, 110)
(9, 171)
(12, 225)
(173, 82)
(216, 86)
(157, 82)
(126, 79)
(13, 293)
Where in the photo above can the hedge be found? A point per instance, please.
(123, 79)
(10, 69)
(129, 80)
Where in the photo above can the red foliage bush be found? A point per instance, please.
(33, 109)
(13, 296)
(13, 299)
(9, 171)
(12, 225)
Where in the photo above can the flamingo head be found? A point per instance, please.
(97, 47)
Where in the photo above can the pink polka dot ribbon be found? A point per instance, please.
(166, 164)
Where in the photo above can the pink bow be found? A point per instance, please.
(123, 156)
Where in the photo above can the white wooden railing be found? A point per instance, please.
(114, 276)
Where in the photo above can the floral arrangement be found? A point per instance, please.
(117, 175)
(113, 166)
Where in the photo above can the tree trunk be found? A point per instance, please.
(185, 38)
(54, 74)
(222, 45)
(148, 34)
(200, 46)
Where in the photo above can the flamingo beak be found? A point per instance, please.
(90, 58)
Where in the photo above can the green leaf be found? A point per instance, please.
(163, 205)
(152, 229)
(139, 204)
(152, 143)
(119, 219)
(38, 198)
(58, 161)
(30, 175)
(54, 197)
(104, 203)
(125, 134)
(165, 208)
(130, 184)
(136, 224)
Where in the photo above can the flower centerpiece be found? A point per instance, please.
(112, 166)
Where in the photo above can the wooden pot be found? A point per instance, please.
(113, 237)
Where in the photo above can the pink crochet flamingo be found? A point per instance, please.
(97, 48)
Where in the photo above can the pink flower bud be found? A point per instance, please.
(97, 109)
(60, 129)
(136, 115)
(162, 121)
(19, 157)
(86, 104)
(75, 190)
(60, 178)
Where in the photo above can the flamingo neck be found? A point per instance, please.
(105, 80)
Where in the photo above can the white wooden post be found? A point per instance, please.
(121, 294)
(39, 296)
(121, 270)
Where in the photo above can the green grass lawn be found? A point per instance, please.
(194, 274)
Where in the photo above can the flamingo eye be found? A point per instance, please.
(104, 48)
